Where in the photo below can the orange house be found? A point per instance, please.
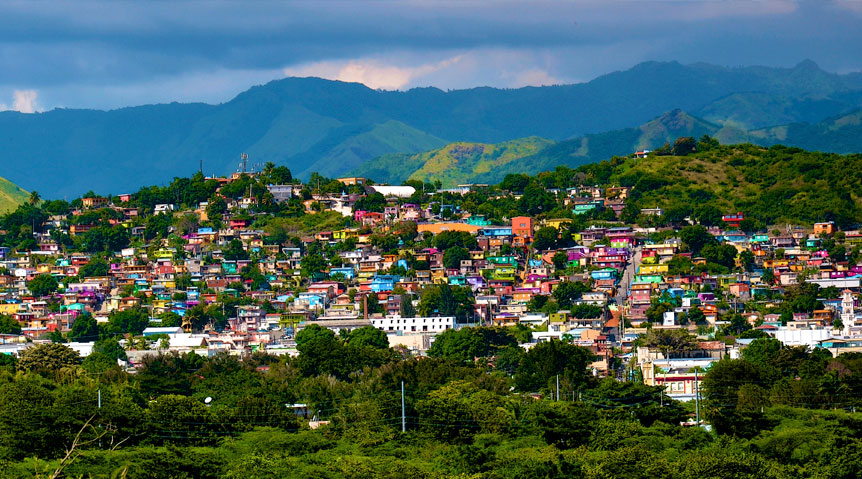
(827, 228)
(522, 226)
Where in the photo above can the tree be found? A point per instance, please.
(543, 362)
(746, 257)
(111, 348)
(85, 328)
(312, 265)
(453, 256)
(567, 292)
(515, 182)
(94, 268)
(372, 303)
(277, 175)
(48, 358)
(9, 325)
(446, 300)
(368, 336)
(546, 238)
(133, 320)
(560, 259)
(42, 285)
(313, 332)
(465, 344)
(171, 319)
(684, 145)
(26, 419)
(696, 316)
(708, 215)
(733, 398)
(374, 202)
(670, 341)
(696, 237)
(235, 251)
(723, 254)
(448, 239)
(216, 206)
(536, 200)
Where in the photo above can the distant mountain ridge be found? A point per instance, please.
(309, 124)
(841, 134)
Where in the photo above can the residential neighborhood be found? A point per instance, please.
(218, 276)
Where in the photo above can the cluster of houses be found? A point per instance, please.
(626, 273)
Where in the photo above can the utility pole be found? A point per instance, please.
(99, 398)
(558, 387)
(696, 398)
(403, 416)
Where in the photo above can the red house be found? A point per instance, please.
(732, 221)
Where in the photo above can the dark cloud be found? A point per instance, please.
(146, 51)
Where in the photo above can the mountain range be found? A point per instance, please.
(333, 128)
(464, 162)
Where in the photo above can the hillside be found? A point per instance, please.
(453, 164)
(11, 195)
(841, 134)
(333, 127)
(773, 185)
(484, 163)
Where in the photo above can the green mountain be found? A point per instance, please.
(484, 163)
(453, 164)
(333, 127)
(11, 195)
(841, 134)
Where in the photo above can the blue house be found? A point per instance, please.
(607, 273)
(496, 231)
(384, 282)
(457, 280)
(346, 271)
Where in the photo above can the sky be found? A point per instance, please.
(112, 54)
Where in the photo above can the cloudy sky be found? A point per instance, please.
(119, 53)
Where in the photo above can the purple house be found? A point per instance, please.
(703, 297)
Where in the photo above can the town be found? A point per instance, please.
(265, 256)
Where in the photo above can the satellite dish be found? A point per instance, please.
(208, 400)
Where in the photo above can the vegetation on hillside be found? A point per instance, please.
(465, 162)
(481, 407)
(12, 195)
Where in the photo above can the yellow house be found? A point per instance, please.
(163, 253)
(344, 234)
(557, 222)
(8, 308)
(652, 268)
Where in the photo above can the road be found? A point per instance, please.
(628, 276)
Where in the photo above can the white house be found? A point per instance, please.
(414, 325)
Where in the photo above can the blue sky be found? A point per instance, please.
(118, 53)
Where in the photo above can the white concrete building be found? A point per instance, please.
(414, 325)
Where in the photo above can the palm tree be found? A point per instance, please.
(35, 198)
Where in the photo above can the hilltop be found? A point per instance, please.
(771, 185)
(331, 127)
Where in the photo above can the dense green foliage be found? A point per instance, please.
(777, 412)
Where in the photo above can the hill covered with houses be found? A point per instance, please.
(703, 294)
